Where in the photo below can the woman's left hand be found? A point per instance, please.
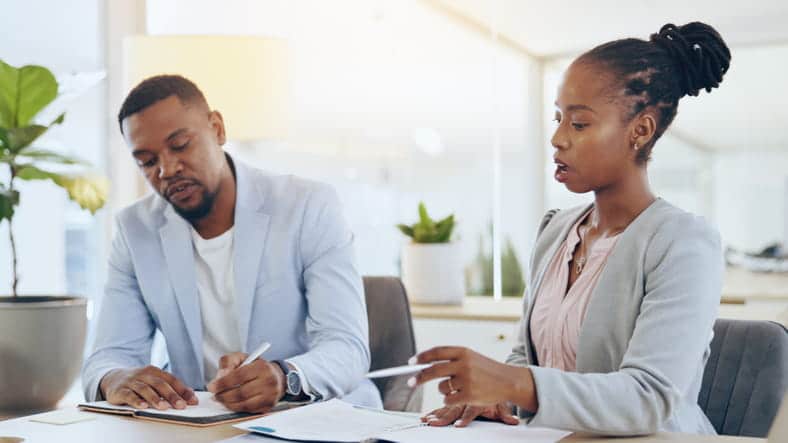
(474, 379)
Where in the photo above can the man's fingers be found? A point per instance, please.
(180, 388)
(257, 404)
(470, 414)
(441, 353)
(243, 392)
(126, 396)
(232, 361)
(505, 414)
(165, 391)
(236, 377)
(148, 394)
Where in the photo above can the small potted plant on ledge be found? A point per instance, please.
(432, 270)
(41, 336)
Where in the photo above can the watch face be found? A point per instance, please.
(293, 383)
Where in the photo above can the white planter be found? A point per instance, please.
(433, 273)
(41, 345)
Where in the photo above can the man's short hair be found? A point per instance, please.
(156, 88)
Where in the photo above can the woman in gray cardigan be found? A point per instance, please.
(622, 348)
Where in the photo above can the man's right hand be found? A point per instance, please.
(146, 387)
(463, 415)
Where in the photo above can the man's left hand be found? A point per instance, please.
(255, 387)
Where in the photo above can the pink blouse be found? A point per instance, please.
(557, 314)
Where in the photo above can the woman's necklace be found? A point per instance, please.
(593, 222)
(580, 263)
(581, 260)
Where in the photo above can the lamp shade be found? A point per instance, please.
(243, 77)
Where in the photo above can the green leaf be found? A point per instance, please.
(424, 218)
(23, 93)
(50, 157)
(18, 139)
(30, 172)
(89, 192)
(4, 143)
(8, 87)
(422, 234)
(8, 199)
(405, 229)
(443, 229)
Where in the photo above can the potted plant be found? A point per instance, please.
(41, 336)
(432, 270)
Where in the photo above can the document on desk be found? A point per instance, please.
(475, 432)
(335, 420)
(332, 420)
(207, 412)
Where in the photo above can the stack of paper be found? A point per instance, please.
(335, 420)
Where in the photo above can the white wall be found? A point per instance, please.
(366, 75)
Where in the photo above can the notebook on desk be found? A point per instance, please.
(208, 412)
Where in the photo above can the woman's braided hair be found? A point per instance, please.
(676, 61)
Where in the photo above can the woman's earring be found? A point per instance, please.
(635, 147)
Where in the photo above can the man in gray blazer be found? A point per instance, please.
(220, 259)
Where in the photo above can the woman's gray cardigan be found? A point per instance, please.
(645, 338)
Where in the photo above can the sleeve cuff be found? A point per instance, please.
(305, 387)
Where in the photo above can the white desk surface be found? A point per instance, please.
(108, 428)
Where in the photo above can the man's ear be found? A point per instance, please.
(642, 129)
(217, 123)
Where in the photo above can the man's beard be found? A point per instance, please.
(200, 211)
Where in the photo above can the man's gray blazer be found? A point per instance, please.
(296, 282)
(645, 339)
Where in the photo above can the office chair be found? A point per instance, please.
(391, 340)
(746, 376)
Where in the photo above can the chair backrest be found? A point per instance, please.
(746, 376)
(391, 340)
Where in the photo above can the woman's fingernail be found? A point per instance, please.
(412, 360)
(180, 404)
(412, 382)
(458, 423)
(143, 405)
(162, 405)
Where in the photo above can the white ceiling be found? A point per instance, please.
(559, 27)
(748, 110)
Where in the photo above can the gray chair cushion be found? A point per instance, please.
(746, 376)
(391, 340)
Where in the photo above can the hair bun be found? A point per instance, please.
(700, 54)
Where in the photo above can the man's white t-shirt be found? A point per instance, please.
(216, 287)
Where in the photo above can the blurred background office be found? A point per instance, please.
(393, 102)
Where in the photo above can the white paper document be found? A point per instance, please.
(477, 431)
(332, 420)
(335, 420)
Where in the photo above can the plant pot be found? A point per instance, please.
(433, 273)
(41, 344)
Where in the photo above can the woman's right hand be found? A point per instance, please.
(463, 415)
